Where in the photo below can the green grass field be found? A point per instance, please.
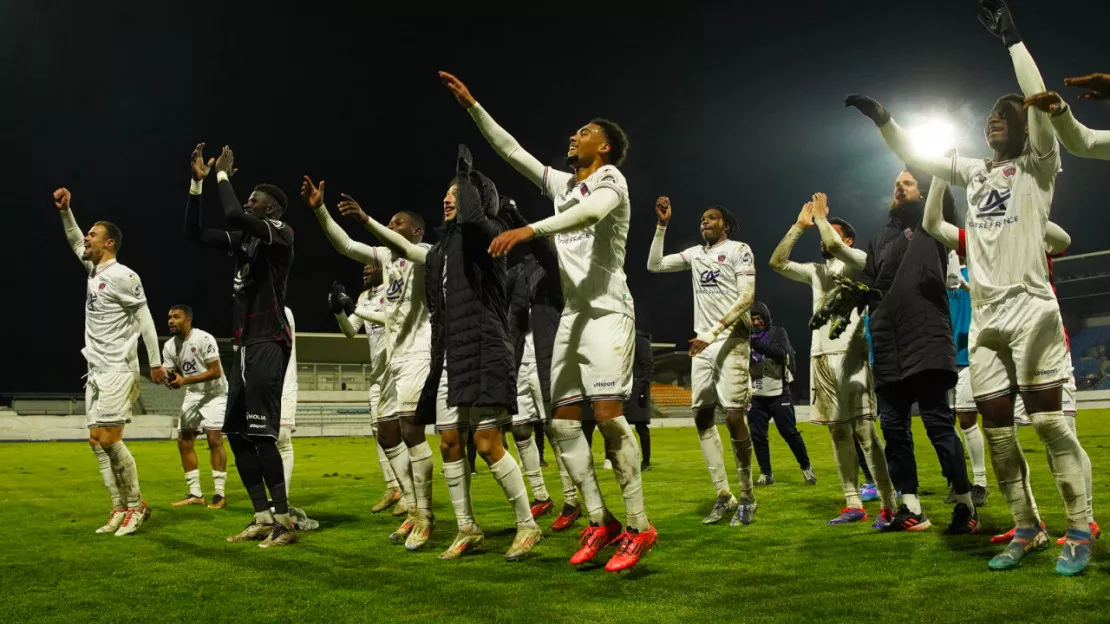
(788, 566)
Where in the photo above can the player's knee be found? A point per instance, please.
(997, 412)
(967, 419)
(1049, 400)
(184, 442)
(607, 410)
(522, 432)
(705, 418)
(735, 418)
(486, 441)
(841, 432)
(215, 439)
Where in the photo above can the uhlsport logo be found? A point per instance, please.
(995, 203)
(709, 278)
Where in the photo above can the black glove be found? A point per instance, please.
(837, 305)
(995, 16)
(338, 301)
(869, 107)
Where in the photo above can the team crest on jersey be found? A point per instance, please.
(584, 190)
(746, 258)
(995, 203)
(1009, 171)
(721, 257)
(709, 278)
(101, 286)
(401, 264)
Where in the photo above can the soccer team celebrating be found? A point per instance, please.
(503, 323)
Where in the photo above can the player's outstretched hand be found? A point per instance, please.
(697, 346)
(339, 301)
(805, 216)
(61, 198)
(197, 164)
(870, 108)
(226, 161)
(663, 210)
(505, 241)
(1097, 85)
(819, 206)
(158, 375)
(1047, 102)
(348, 207)
(457, 89)
(995, 16)
(311, 194)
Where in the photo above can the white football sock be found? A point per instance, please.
(285, 449)
(912, 502)
(714, 453)
(219, 480)
(847, 462)
(422, 469)
(402, 468)
(623, 450)
(264, 517)
(508, 476)
(192, 479)
(568, 438)
(105, 464)
(1067, 465)
(868, 437)
(458, 488)
(1086, 471)
(387, 470)
(570, 493)
(127, 474)
(973, 439)
(530, 458)
(1012, 473)
(742, 449)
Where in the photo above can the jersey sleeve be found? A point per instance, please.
(611, 178)
(168, 356)
(128, 290)
(209, 351)
(554, 181)
(744, 262)
(964, 170)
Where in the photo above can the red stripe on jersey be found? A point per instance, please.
(961, 248)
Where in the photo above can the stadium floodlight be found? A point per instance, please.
(933, 137)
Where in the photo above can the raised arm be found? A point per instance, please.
(403, 246)
(933, 219)
(899, 141)
(1056, 239)
(194, 231)
(995, 16)
(469, 193)
(234, 214)
(592, 210)
(74, 236)
(501, 141)
(1076, 138)
(657, 262)
(780, 257)
(853, 258)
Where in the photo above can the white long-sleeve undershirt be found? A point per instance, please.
(1042, 136)
(1079, 139)
(341, 241)
(506, 146)
(149, 334)
(933, 218)
(583, 215)
(853, 258)
(657, 262)
(392, 239)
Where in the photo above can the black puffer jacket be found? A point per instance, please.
(911, 331)
(535, 298)
(471, 326)
(637, 409)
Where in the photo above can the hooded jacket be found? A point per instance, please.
(535, 298)
(911, 332)
(468, 305)
(772, 360)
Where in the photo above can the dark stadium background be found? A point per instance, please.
(741, 109)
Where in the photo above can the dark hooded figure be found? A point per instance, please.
(772, 372)
(911, 334)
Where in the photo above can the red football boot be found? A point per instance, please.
(632, 547)
(594, 538)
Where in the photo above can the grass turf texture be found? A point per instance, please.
(787, 566)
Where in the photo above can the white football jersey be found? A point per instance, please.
(853, 339)
(409, 324)
(591, 260)
(1008, 208)
(374, 301)
(715, 272)
(529, 355)
(113, 297)
(192, 356)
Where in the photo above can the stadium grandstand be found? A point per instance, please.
(1083, 288)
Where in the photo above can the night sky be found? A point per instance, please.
(743, 110)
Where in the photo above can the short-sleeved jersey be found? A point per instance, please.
(591, 260)
(959, 308)
(261, 274)
(371, 301)
(821, 280)
(1008, 208)
(113, 297)
(715, 272)
(409, 325)
(192, 356)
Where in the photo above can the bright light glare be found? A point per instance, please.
(933, 138)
